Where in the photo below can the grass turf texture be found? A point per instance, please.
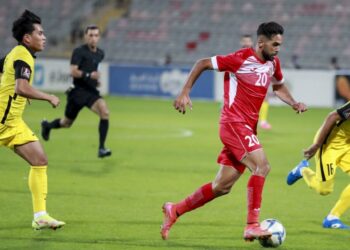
(115, 203)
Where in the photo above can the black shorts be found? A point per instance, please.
(79, 98)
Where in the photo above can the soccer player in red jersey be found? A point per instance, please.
(245, 88)
(246, 41)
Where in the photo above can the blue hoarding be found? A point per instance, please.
(157, 81)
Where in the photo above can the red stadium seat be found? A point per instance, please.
(191, 45)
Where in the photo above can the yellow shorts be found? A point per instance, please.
(333, 154)
(18, 135)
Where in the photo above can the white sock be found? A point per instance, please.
(332, 217)
(38, 214)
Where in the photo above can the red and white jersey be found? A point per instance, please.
(246, 82)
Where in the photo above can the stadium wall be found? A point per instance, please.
(314, 87)
(157, 81)
(54, 75)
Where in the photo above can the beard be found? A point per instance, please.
(268, 57)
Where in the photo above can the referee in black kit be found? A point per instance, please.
(84, 69)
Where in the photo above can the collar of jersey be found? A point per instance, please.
(257, 57)
(30, 50)
(87, 47)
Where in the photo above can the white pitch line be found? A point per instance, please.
(176, 134)
(154, 133)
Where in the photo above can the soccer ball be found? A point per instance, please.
(278, 233)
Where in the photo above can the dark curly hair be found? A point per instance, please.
(24, 25)
(270, 29)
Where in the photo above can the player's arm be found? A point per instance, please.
(283, 93)
(77, 73)
(23, 88)
(325, 129)
(183, 99)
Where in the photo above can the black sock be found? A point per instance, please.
(103, 129)
(55, 123)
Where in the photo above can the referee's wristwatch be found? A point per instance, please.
(86, 75)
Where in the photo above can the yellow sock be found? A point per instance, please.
(38, 186)
(309, 177)
(322, 188)
(343, 203)
(263, 111)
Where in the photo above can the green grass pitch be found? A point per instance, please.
(160, 155)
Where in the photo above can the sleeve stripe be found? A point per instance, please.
(214, 62)
(344, 111)
(282, 80)
(276, 82)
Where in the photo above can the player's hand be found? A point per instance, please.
(54, 100)
(95, 75)
(181, 102)
(299, 107)
(311, 151)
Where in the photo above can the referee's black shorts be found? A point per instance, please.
(79, 98)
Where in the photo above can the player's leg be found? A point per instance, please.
(34, 154)
(222, 184)
(257, 162)
(333, 218)
(100, 108)
(57, 123)
(311, 180)
(322, 180)
(242, 141)
(342, 205)
(264, 110)
(72, 110)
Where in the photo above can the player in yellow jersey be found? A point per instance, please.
(17, 69)
(331, 148)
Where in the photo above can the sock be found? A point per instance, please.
(254, 195)
(310, 177)
(38, 214)
(342, 204)
(264, 111)
(38, 186)
(332, 217)
(103, 129)
(201, 196)
(323, 188)
(55, 123)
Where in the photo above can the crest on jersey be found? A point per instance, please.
(346, 113)
(25, 72)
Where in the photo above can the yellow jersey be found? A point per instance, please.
(19, 63)
(340, 133)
